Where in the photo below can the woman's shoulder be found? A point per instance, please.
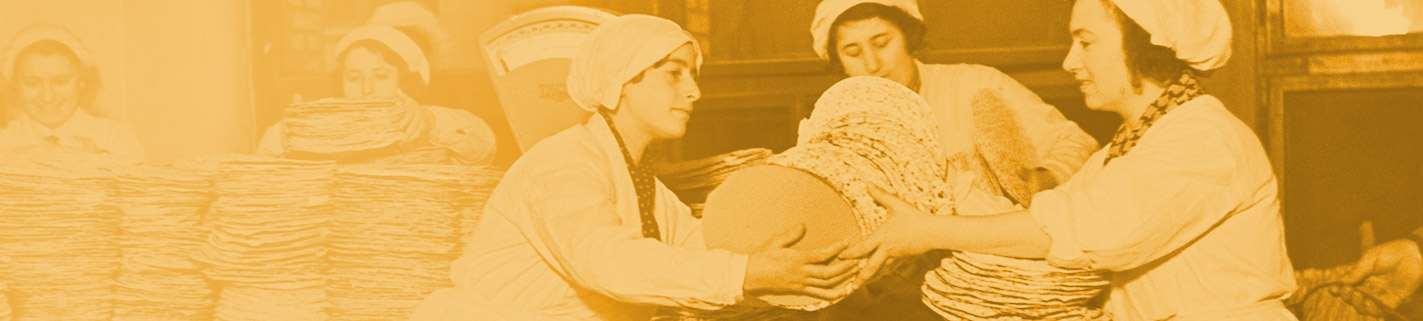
(459, 118)
(571, 149)
(963, 70)
(104, 126)
(447, 112)
(1205, 118)
(1205, 110)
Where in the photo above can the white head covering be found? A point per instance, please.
(40, 32)
(1199, 30)
(416, 18)
(397, 41)
(618, 50)
(829, 10)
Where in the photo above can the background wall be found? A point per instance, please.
(762, 75)
(177, 71)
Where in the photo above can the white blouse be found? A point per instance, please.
(1056, 143)
(1188, 221)
(109, 136)
(468, 136)
(560, 239)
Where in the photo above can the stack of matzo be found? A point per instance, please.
(343, 125)
(163, 208)
(972, 286)
(265, 244)
(423, 155)
(60, 230)
(5, 288)
(395, 234)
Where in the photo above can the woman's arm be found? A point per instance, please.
(467, 135)
(271, 143)
(578, 231)
(910, 231)
(1141, 207)
(1060, 144)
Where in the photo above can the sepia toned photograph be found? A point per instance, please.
(700, 160)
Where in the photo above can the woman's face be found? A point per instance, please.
(367, 74)
(48, 86)
(875, 47)
(1097, 59)
(661, 103)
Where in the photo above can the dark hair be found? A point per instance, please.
(911, 28)
(410, 81)
(88, 78)
(1144, 59)
(658, 64)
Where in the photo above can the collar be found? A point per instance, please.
(77, 123)
(920, 67)
(603, 137)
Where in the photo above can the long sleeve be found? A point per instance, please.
(582, 238)
(1178, 183)
(271, 143)
(124, 144)
(468, 136)
(686, 230)
(1061, 145)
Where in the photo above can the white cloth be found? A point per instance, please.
(1199, 30)
(408, 50)
(468, 136)
(109, 136)
(616, 52)
(560, 239)
(829, 10)
(1060, 146)
(416, 18)
(1188, 221)
(40, 32)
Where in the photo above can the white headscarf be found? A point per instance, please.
(415, 18)
(829, 10)
(397, 41)
(1199, 30)
(616, 52)
(40, 32)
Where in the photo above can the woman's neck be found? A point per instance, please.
(1135, 104)
(635, 138)
(917, 80)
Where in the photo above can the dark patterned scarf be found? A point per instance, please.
(642, 181)
(1182, 90)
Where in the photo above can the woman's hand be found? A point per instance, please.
(88, 145)
(1040, 179)
(1391, 271)
(903, 234)
(776, 268)
(418, 123)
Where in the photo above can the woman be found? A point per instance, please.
(1182, 207)
(54, 81)
(998, 153)
(384, 62)
(579, 229)
(1006, 151)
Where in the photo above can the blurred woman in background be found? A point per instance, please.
(53, 81)
(1002, 141)
(378, 61)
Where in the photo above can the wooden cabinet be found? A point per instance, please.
(1344, 101)
(762, 77)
